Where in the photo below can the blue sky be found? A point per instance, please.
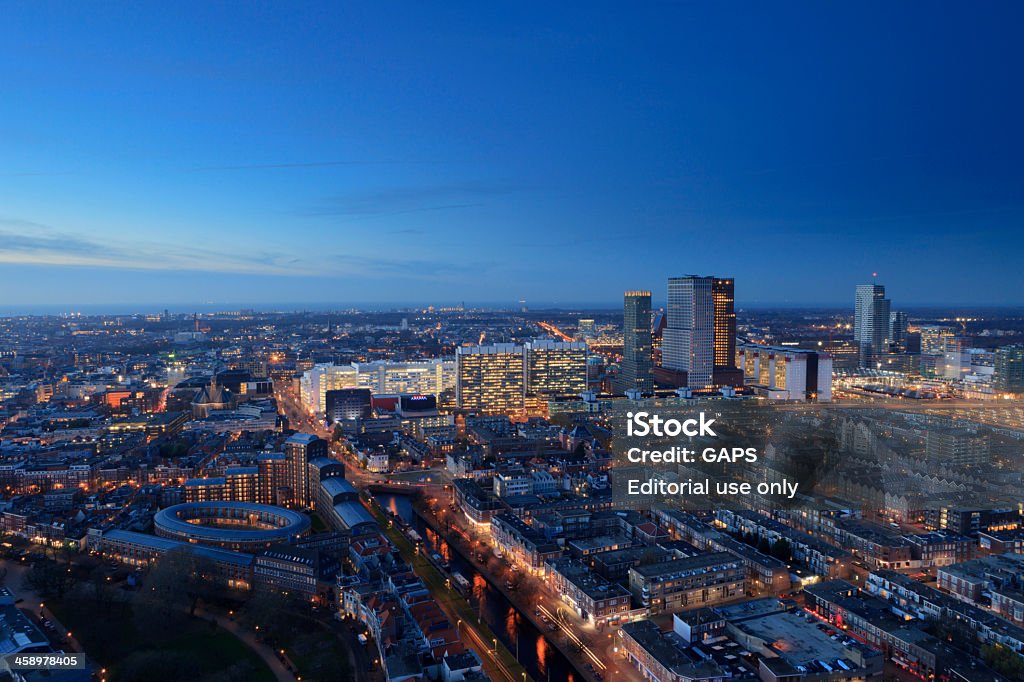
(163, 153)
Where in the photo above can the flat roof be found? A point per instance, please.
(292, 522)
(685, 564)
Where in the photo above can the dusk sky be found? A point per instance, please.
(431, 153)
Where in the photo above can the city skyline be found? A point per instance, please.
(485, 342)
(352, 156)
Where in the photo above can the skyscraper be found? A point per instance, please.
(1009, 369)
(636, 369)
(724, 298)
(688, 343)
(555, 367)
(898, 330)
(490, 378)
(871, 321)
(298, 450)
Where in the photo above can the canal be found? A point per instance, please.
(540, 658)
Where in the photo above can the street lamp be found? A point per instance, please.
(495, 645)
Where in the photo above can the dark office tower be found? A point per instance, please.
(298, 450)
(898, 331)
(660, 323)
(723, 296)
(636, 370)
(871, 322)
(1009, 369)
(348, 404)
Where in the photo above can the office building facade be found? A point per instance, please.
(936, 339)
(381, 377)
(299, 449)
(784, 373)
(555, 367)
(723, 297)
(688, 342)
(871, 323)
(490, 378)
(348, 404)
(636, 368)
(1009, 369)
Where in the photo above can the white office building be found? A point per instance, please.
(688, 341)
(382, 377)
(783, 373)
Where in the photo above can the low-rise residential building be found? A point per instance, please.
(521, 544)
(592, 597)
(661, 657)
(294, 570)
(687, 583)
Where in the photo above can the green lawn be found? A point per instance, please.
(318, 524)
(197, 649)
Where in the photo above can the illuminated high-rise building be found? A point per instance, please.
(272, 474)
(555, 367)
(871, 322)
(636, 368)
(490, 379)
(321, 378)
(389, 377)
(242, 483)
(936, 339)
(688, 342)
(298, 450)
(723, 297)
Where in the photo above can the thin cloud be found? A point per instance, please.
(275, 166)
(34, 174)
(24, 242)
(46, 246)
(384, 211)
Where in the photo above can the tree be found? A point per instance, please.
(274, 613)
(48, 578)
(1003, 660)
(163, 604)
(102, 591)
